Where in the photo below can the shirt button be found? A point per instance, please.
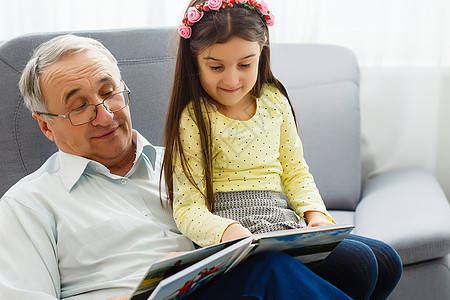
(123, 181)
(144, 213)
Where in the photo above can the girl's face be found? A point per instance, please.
(229, 71)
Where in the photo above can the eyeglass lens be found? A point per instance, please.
(88, 113)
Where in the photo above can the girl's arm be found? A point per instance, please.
(297, 181)
(190, 211)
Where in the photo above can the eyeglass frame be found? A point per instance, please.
(67, 115)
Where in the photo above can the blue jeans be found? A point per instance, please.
(363, 268)
(271, 275)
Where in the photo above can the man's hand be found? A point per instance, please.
(235, 231)
(173, 254)
(316, 218)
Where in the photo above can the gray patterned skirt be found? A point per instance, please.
(259, 211)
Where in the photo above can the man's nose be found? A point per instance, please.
(104, 117)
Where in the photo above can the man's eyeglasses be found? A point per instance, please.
(88, 113)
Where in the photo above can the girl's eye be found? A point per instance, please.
(216, 68)
(245, 65)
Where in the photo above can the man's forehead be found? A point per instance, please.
(78, 67)
(64, 83)
(95, 82)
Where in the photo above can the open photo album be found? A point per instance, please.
(179, 276)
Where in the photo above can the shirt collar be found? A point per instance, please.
(73, 166)
(144, 147)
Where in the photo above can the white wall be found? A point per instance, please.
(442, 170)
(400, 111)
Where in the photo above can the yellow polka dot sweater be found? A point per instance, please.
(262, 153)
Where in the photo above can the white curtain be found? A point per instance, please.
(403, 48)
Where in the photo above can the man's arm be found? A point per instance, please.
(28, 262)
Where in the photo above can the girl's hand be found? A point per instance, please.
(316, 218)
(120, 298)
(235, 231)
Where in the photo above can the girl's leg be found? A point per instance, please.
(364, 268)
(271, 275)
(352, 267)
(389, 266)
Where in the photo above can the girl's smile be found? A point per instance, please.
(230, 91)
(228, 73)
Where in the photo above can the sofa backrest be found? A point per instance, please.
(322, 82)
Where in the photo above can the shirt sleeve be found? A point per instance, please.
(29, 268)
(298, 183)
(190, 211)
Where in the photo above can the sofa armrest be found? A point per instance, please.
(408, 210)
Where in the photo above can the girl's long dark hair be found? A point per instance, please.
(214, 27)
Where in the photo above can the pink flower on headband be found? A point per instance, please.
(270, 19)
(184, 31)
(193, 15)
(264, 9)
(214, 4)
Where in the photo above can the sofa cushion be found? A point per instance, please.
(343, 216)
(408, 210)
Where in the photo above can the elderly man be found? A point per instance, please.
(89, 222)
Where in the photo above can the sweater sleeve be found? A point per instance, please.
(190, 211)
(298, 183)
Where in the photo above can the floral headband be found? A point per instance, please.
(194, 14)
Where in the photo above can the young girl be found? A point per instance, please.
(231, 139)
(232, 147)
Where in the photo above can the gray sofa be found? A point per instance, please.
(405, 208)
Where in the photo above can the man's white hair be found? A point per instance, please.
(47, 54)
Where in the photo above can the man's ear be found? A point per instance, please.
(44, 125)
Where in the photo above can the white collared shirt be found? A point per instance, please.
(73, 230)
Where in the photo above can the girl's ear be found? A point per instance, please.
(44, 125)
